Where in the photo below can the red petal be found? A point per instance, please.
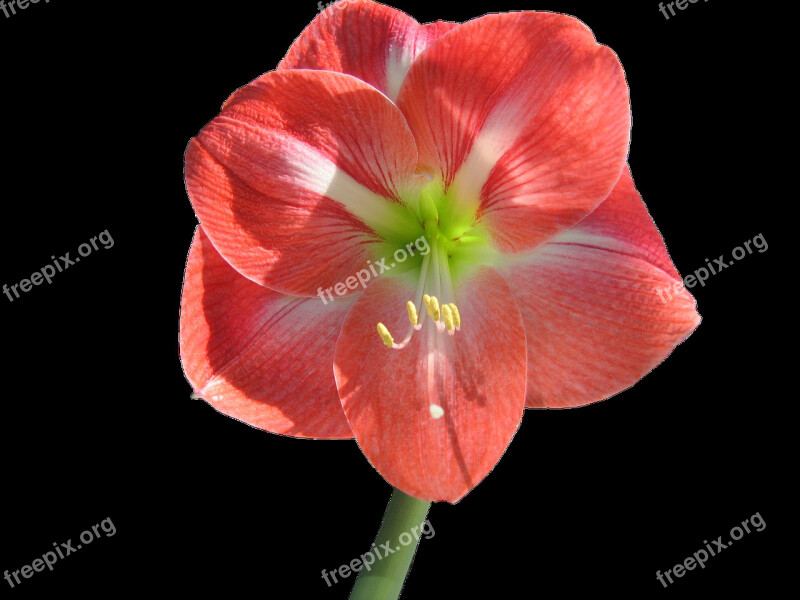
(257, 355)
(527, 119)
(294, 176)
(477, 376)
(602, 303)
(370, 41)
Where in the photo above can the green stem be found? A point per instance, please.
(404, 517)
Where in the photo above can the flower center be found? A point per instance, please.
(449, 245)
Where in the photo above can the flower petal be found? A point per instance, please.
(257, 355)
(530, 140)
(602, 303)
(298, 175)
(365, 39)
(477, 376)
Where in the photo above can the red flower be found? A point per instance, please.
(482, 166)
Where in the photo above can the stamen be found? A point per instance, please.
(412, 312)
(456, 316)
(387, 338)
(447, 317)
(433, 308)
(437, 412)
(421, 288)
(437, 280)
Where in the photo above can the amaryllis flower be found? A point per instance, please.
(410, 233)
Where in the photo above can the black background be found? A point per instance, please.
(98, 102)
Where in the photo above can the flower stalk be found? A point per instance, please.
(384, 581)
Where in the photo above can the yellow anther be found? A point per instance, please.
(426, 300)
(385, 335)
(433, 308)
(412, 312)
(447, 317)
(456, 314)
(437, 412)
